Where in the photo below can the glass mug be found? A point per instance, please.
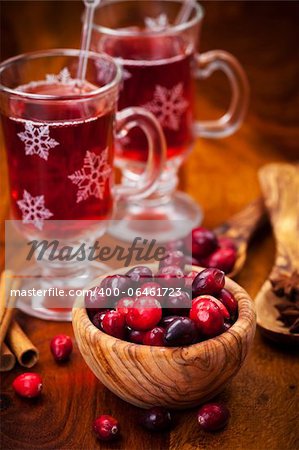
(58, 134)
(160, 65)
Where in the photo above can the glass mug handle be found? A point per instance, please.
(126, 120)
(209, 62)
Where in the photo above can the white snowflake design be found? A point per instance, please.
(91, 179)
(168, 105)
(37, 140)
(63, 77)
(158, 23)
(34, 210)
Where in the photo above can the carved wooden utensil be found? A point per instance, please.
(280, 186)
(177, 377)
(240, 228)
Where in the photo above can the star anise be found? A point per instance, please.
(285, 284)
(289, 315)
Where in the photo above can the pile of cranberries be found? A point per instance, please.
(169, 308)
(206, 249)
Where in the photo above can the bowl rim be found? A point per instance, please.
(242, 327)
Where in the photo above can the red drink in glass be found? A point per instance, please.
(156, 76)
(63, 153)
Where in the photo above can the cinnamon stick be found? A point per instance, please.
(5, 287)
(26, 353)
(7, 303)
(7, 359)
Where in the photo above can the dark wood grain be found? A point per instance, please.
(222, 177)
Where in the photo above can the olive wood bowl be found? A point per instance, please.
(175, 377)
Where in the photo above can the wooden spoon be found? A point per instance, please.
(240, 228)
(280, 186)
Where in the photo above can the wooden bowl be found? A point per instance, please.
(176, 377)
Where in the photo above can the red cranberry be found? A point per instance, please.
(178, 304)
(209, 281)
(118, 284)
(139, 274)
(207, 316)
(95, 302)
(151, 289)
(145, 314)
(223, 309)
(223, 258)
(106, 428)
(229, 302)
(154, 337)
(171, 277)
(173, 258)
(156, 419)
(28, 385)
(124, 305)
(61, 347)
(226, 242)
(135, 336)
(98, 319)
(113, 323)
(203, 242)
(213, 416)
(181, 331)
(189, 278)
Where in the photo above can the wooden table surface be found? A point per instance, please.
(222, 177)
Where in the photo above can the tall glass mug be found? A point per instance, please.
(160, 65)
(59, 139)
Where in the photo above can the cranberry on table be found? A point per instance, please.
(178, 304)
(98, 318)
(156, 419)
(135, 336)
(209, 281)
(61, 347)
(213, 416)
(207, 316)
(181, 331)
(173, 258)
(229, 301)
(202, 242)
(113, 323)
(106, 428)
(154, 337)
(139, 274)
(223, 258)
(28, 385)
(124, 304)
(145, 314)
(171, 277)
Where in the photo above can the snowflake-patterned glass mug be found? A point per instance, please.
(59, 134)
(160, 65)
